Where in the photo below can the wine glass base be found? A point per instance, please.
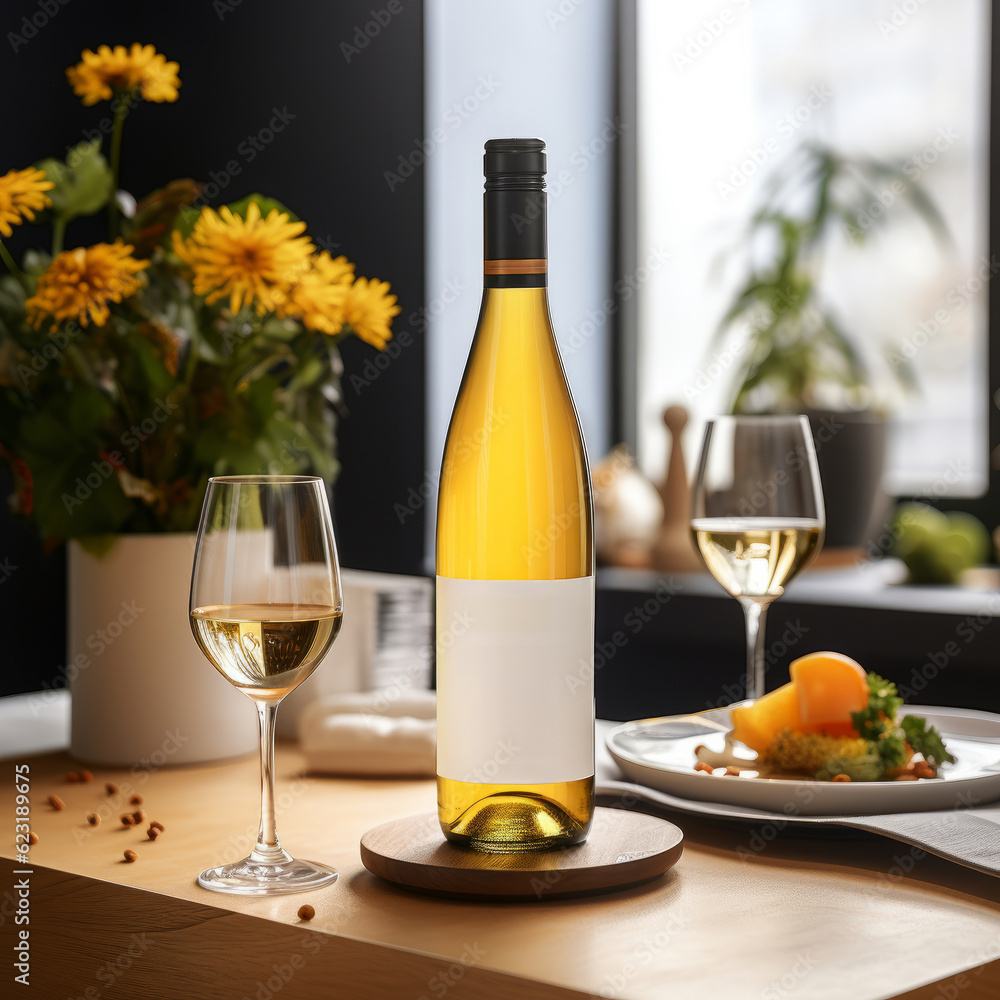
(251, 878)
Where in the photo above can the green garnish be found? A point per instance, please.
(876, 723)
(926, 740)
(883, 704)
(891, 747)
(865, 768)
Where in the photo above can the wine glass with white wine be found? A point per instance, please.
(757, 515)
(265, 608)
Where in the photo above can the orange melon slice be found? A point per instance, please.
(825, 688)
(829, 687)
(756, 725)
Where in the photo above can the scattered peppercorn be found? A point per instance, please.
(32, 839)
(127, 819)
(138, 816)
(306, 912)
(86, 776)
(56, 802)
(93, 819)
(131, 856)
(152, 833)
(136, 800)
(111, 788)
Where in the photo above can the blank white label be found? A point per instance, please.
(515, 680)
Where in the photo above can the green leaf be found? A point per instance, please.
(143, 360)
(321, 459)
(891, 747)
(925, 740)
(184, 221)
(876, 722)
(76, 495)
(65, 421)
(83, 184)
(188, 216)
(883, 702)
(265, 204)
(280, 329)
(868, 767)
(98, 545)
(308, 373)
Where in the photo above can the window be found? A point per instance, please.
(520, 68)
(726, 94)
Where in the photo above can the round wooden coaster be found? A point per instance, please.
(623, 849)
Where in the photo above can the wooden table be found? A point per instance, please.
(816, 918)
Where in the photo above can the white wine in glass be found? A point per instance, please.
(757, 515)
(265, 609)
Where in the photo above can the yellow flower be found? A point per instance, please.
(319, 296)
(247, 259)
(101, 74)
(80, 283)
(21, 195)
(369, 310)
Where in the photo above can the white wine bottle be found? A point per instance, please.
(515, 564)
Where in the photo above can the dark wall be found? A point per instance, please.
(662, 653)
(345, 115)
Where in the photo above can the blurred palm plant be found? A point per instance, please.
(797, 350)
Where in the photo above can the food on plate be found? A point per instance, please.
(757, 724)
(792, 751)
(832, 722)
(830, 687)
(825, 688)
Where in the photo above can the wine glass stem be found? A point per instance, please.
(756, 618)
(268, 850)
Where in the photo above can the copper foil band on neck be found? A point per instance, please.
(536, 265)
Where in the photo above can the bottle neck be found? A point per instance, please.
(514, 238)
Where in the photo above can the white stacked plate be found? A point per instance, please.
(660, 753)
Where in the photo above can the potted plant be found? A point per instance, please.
(798, 359)
(193, 342)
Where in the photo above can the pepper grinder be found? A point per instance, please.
(674, 548)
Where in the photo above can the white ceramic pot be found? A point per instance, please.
(142, 692)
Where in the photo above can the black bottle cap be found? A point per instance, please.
(515, 163)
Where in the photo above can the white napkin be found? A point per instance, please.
(370, 734)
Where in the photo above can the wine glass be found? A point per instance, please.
(266, 606)
(757, 515)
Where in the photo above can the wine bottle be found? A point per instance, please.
(515, 564)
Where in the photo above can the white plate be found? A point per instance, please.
(660, 753)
